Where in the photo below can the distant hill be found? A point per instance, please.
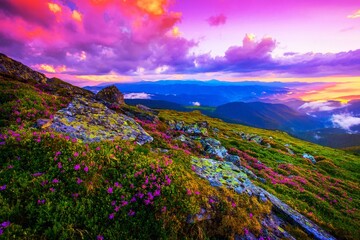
(266, 115)
(211, 93)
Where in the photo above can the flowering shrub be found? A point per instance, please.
(54, 186)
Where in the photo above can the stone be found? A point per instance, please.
(201, 216)
(111, 95)
(232, 158)
(182, 138)
(91, 121)
(262, 197)
(43, 123)
(196, 129)
(239, 190)
(291, 152)
(211, 169)
(213, 147)
(310, 157)
(215, 183)
(263, 180)
(144, 138)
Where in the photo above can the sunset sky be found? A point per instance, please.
(87, 42)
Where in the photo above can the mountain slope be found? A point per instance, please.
(199, 178)
(265, 115)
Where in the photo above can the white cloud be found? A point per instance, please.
(196, 104)
(320, 106)
(141, 95)
(317, 137)
(345, 121)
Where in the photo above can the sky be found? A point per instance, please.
(87, 42)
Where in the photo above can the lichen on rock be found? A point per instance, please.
(92, 121)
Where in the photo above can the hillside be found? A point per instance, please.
(75, 165)
(276, 117)
(266, 115)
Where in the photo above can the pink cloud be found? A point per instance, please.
(217, 20)
(97, 37)
(251, 49)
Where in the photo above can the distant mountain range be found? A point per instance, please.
(207, 93)
(266, 115)
(317, 129)
(257, 104)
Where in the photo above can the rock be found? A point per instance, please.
(263, 180)
(43, 123)
(272, 228)
(307, 225)
(182, 138)
(290, 151)
(257, 139)
(144, 138)
(201, 216)
(262, 197)
(163, 150)
(92, 121)
(248, 172)
(179, 125)
(196, 129)
(111, 96)
(215, 183)
(310, 157)
(239, 189)
(232, 158)
(213, 148)
(238, 181)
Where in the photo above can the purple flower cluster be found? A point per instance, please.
(3, 226)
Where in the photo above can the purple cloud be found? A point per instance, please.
(254, 58)
(110, 37)
(217, 20)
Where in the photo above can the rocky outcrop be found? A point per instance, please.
(196, 129)
(213, 148)
(11, 67)
(110, 96)
(92, 121)
(220, 173)
(309, 157)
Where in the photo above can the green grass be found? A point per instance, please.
(327, 192)
(62, 188)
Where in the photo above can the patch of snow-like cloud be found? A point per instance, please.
(141, 95)
(197, 104)
(320, 106)
(345, 121)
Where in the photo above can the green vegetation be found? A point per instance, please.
(327, 192)
(55, 186)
